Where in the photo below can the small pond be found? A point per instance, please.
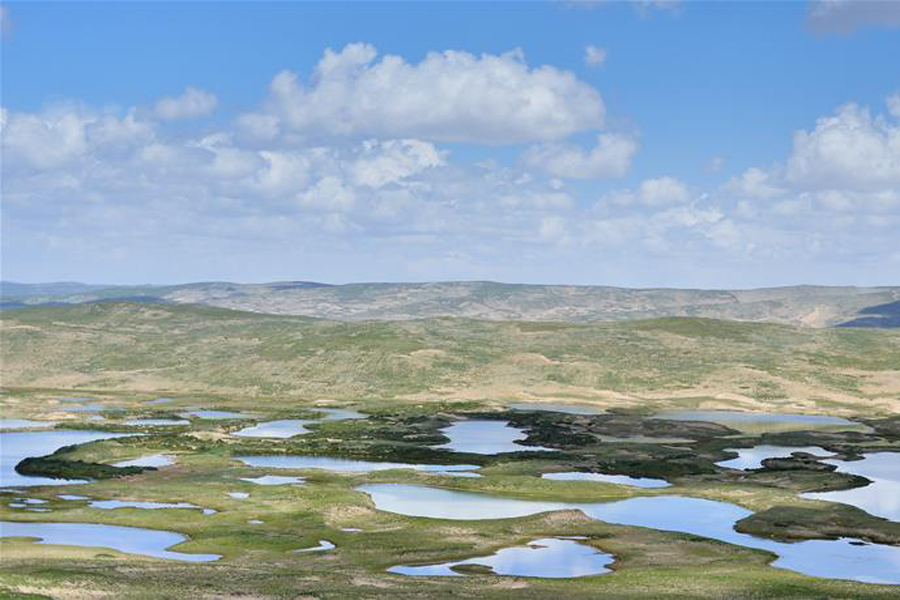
(273, 480)
(156, 422)
(881, 497)
(572, 409)
(132, 540)
(323, 545)
(836, 559)
(764, 422)
(24, 424)
(346, 465)
(214, 414)
(160, 401)
(751, 458)
(644, 482)
(16, 446)
(546, 557)
(286, 428)
(486, 437)
(114, 504)
(86, 408)
(153, 460)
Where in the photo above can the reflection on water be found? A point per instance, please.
(486, 437)
(547, 557)
(751, 458)
(17, 446)
(572, 409)
(345, 465)
(132, 540)
(764, 422)
(837, 559)
(881, 497)
(644, 482)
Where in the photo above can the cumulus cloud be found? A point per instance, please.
(448, 96)
(62, 134)
(594, 56)
(656, 192)
(850, 149)
(846, 16)
(382, 163)
(611, 157)
(754, 183)
(191, 104)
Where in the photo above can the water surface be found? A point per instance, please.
(345, 465)
(836, 559)
(546, 557)
(286, 428)
(751, 458)
(644, 482)
(20, 445)
(323, 545)
(486, 437)
(114, 504)
(24, 424)
(214, 414)
(881, 497)
(572, 409)
(156, 422)
(273, 480)
(276, 429)
(153, 460)
(764, 422)
(132, 540)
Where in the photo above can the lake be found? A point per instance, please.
(20, 445)
(836, 559)
(131, 540)
(486, 437)
(545, 557)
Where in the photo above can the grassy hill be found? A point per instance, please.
(215, 351)
(814, 306)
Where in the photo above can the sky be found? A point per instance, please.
(639, 144)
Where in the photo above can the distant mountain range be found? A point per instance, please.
(813, 306)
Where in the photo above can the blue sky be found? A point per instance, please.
(641, 144)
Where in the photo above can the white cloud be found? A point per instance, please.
(594, 56)
(850, 150)
(753, 183)
(611, 157)
(658, 192)
(191, 104)
(846, 16)
(448, 96)
(328, 194)
(381, 163)
(63, 134)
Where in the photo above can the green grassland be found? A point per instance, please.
(413, 377)
(121, 346)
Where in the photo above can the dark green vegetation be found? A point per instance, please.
(816, 306)
(829, 521)
(58, 466)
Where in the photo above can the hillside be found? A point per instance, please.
(813, 306)
(129, 346)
